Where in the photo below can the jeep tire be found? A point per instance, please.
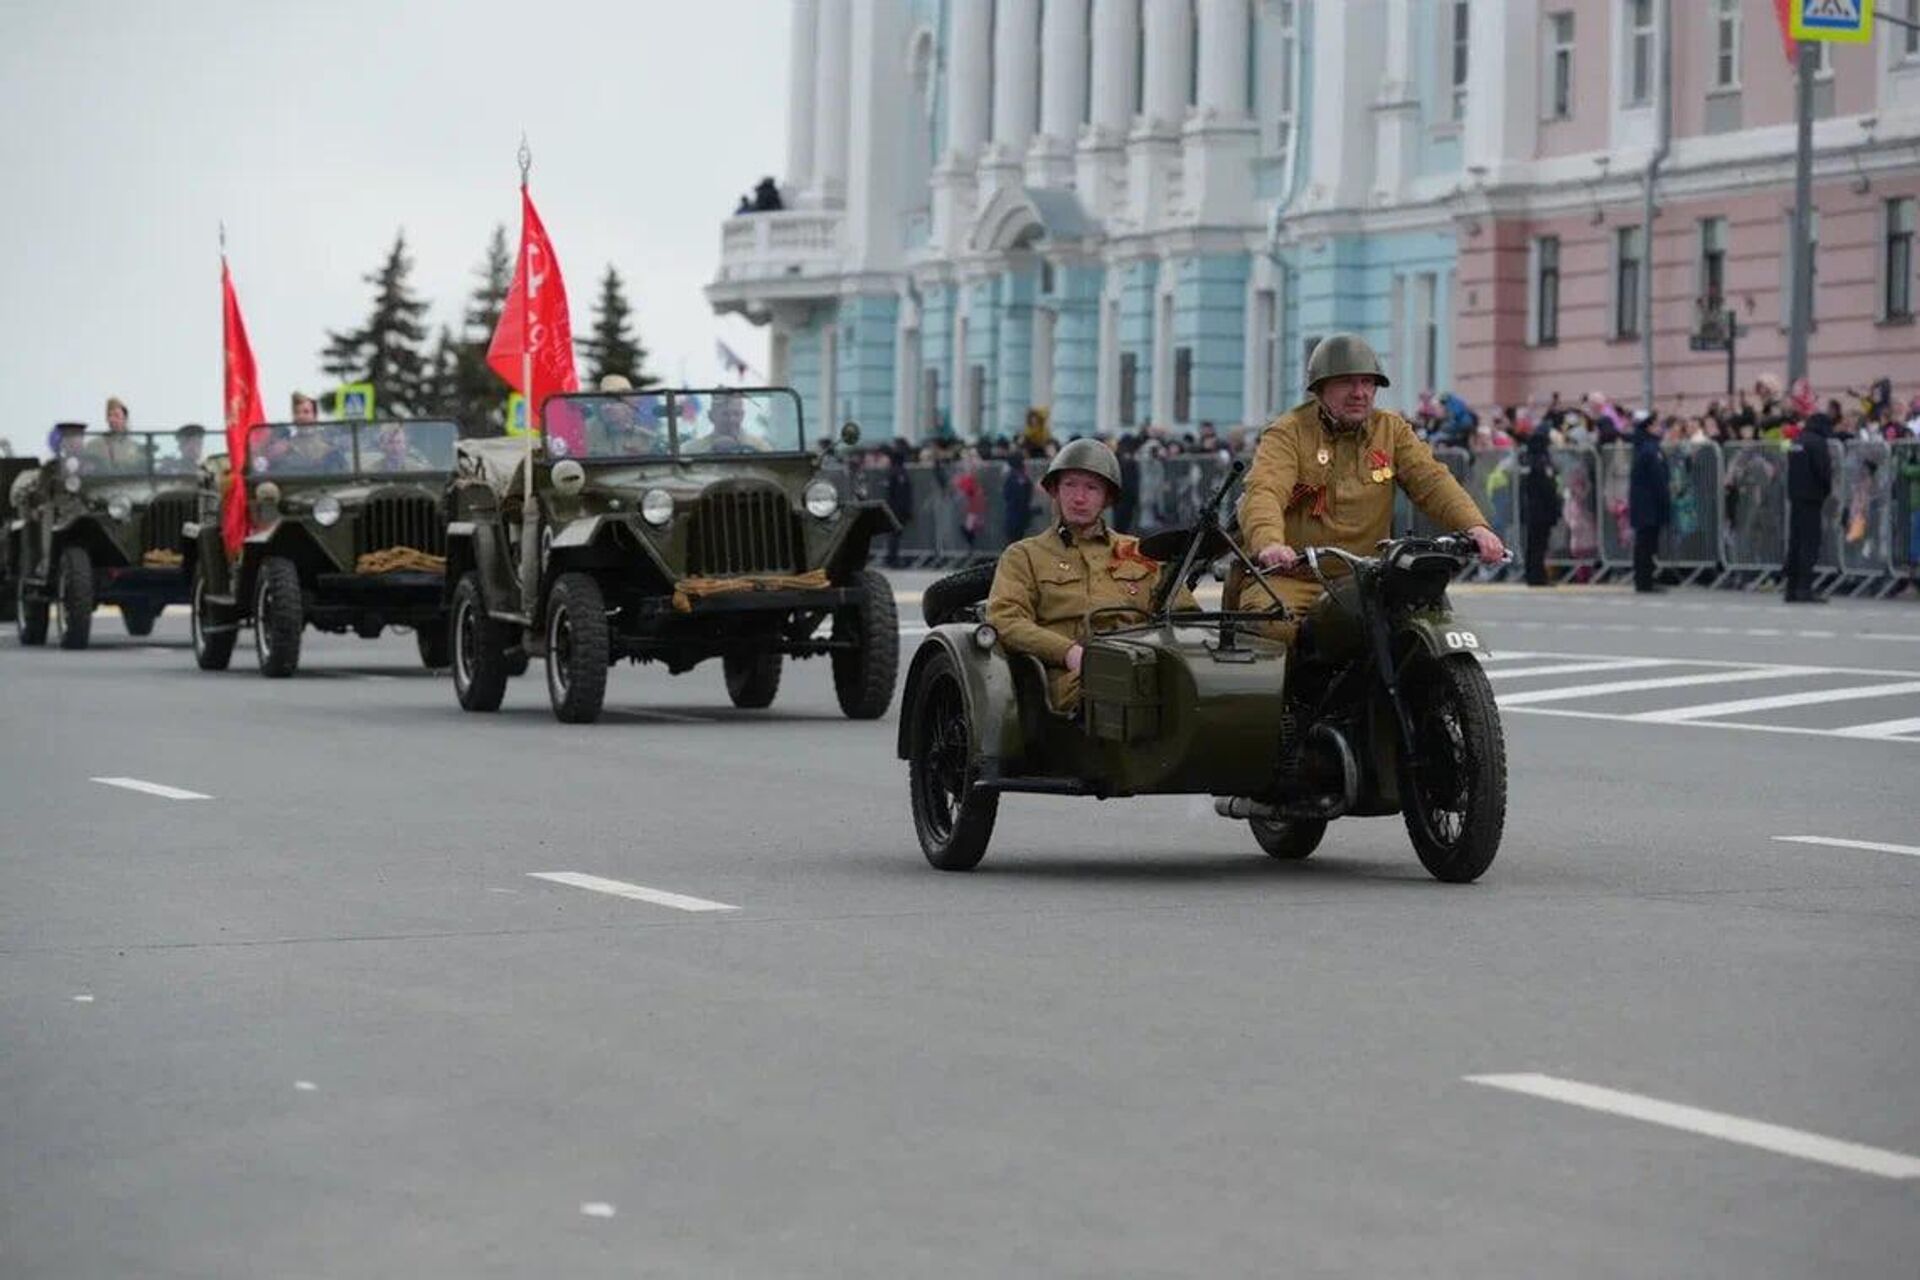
(864, 676)
(433, 641)
(578, 649)
(753, 679)
(212, 650)
(73, 598)
(278, 617)
(29, 614)
(477, 646)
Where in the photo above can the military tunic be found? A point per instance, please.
(1045, 585)
(1316, 483)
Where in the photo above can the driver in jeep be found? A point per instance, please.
(1325, 471)
(1045, 585)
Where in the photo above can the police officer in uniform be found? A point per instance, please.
(1045, 585)
(1325, 471)
(1809, 482)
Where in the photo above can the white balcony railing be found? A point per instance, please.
(776, 246)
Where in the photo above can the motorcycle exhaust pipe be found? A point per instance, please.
(1244, 807)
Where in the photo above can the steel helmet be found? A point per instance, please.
(1343, 355)
(1084, 454)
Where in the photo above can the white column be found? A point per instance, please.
(1221, 138)
(1100, 161)
(832, 36)
(1348, 58)
(969, 66)
(1503, 110)
(1396, 109)
(1169, 60)
(876, 132)
(1016, 67)
(1063, 91)
(800, 69)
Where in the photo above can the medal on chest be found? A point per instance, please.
(1380, 466)
(1324, 456)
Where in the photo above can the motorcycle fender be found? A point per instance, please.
(986, 682)
(1444, 637)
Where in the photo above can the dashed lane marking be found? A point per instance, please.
(1531, 696)
(1677, 715)
(1712, 1124)
(638, 892)
(153, 788)
(1835, 842)
(1578, 668)
(1883, 730)
(1735, 725)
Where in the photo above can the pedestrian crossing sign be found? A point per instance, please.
(1841, 21)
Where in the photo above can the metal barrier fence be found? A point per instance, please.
(1729, 506)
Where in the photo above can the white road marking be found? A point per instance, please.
(1872, 846)
(305, 1086)
(647, 713)
(1737, 725)
(597, 1209)
(83, 998)
(1531, 696)
(153, 788)
(1576, 668)
(1881, 635)
(1891, 730)
(1777, 702)
(1712, 1124)
(639, 893)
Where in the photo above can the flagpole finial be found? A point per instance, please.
(525, 156)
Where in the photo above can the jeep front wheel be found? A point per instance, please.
(753, 679)
(578, 649)
(73, 601)
(278, 617)
(479, 649)
(212, 650)
(29, 614)
(864, 676)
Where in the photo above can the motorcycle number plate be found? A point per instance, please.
(1462, 640)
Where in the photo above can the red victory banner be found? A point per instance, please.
(532, 348)
(243, 407)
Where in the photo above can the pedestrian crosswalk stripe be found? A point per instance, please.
(1531, 696)
(1892, 730)
(1872, 846)
(1777, 702)
(1580, 668)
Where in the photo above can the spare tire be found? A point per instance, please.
(943, 601)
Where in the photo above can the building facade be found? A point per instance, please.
(1131, 211)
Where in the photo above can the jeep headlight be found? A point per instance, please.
(326, 510)
(119, 506)
(656, 508)
(569, 477)
(821, 499)
(71, 484)
(267, 494)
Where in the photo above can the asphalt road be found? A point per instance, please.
(328, 1022)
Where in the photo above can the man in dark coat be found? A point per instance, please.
(1649, 499)
(1016, 496)
(1809, 482)
(1539, 503)
(899, 497)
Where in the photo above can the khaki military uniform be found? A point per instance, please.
(1046, 584)
(1315, 483)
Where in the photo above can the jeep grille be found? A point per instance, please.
(743, 531)
(400, 520)
(165, 517)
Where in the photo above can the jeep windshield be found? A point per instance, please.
(132, 455)
(638, 426)
(415, 447)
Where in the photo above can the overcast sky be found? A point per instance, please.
(316, 130)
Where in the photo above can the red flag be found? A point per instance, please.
(534, 321)
(1783, 14)
(244, 410)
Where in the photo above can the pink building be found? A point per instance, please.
(1551, 237)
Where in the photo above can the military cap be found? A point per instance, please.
(1343, 355)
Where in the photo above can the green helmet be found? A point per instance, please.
(1084, 454)
(1340, 356)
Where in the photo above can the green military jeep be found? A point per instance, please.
(346, 532)
(665, 526)
(99, 524)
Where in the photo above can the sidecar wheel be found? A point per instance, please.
(952, 817)
(1289, 839)
(1456, 804)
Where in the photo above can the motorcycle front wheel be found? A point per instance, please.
(1455, 792)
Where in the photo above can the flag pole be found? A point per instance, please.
(529, 517)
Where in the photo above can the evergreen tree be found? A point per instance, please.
(611, 346)
(386, 351)
(441, 385)
(476, 396)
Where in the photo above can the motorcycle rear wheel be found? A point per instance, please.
(1456, 801)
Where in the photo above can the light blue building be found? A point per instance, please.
(1120, 211)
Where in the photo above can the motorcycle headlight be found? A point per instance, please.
(656, 508)
(71, 484)
(119, 506)
(821, 499)
(326, 510)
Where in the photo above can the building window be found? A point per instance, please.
(1898, 298)
(930, 397)
(1426, 319)
(1560, 66)
(1546, 291)
(1457, 63)
(1909, 41)
(977, 400)
(1183, 384)
(1713, 266)
(1626, 282)
(1129, 388)
(1288, 43)
(1726, 44)
(1193, 54)
(1788, 264)
(1266, 319)
(1639, 52)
